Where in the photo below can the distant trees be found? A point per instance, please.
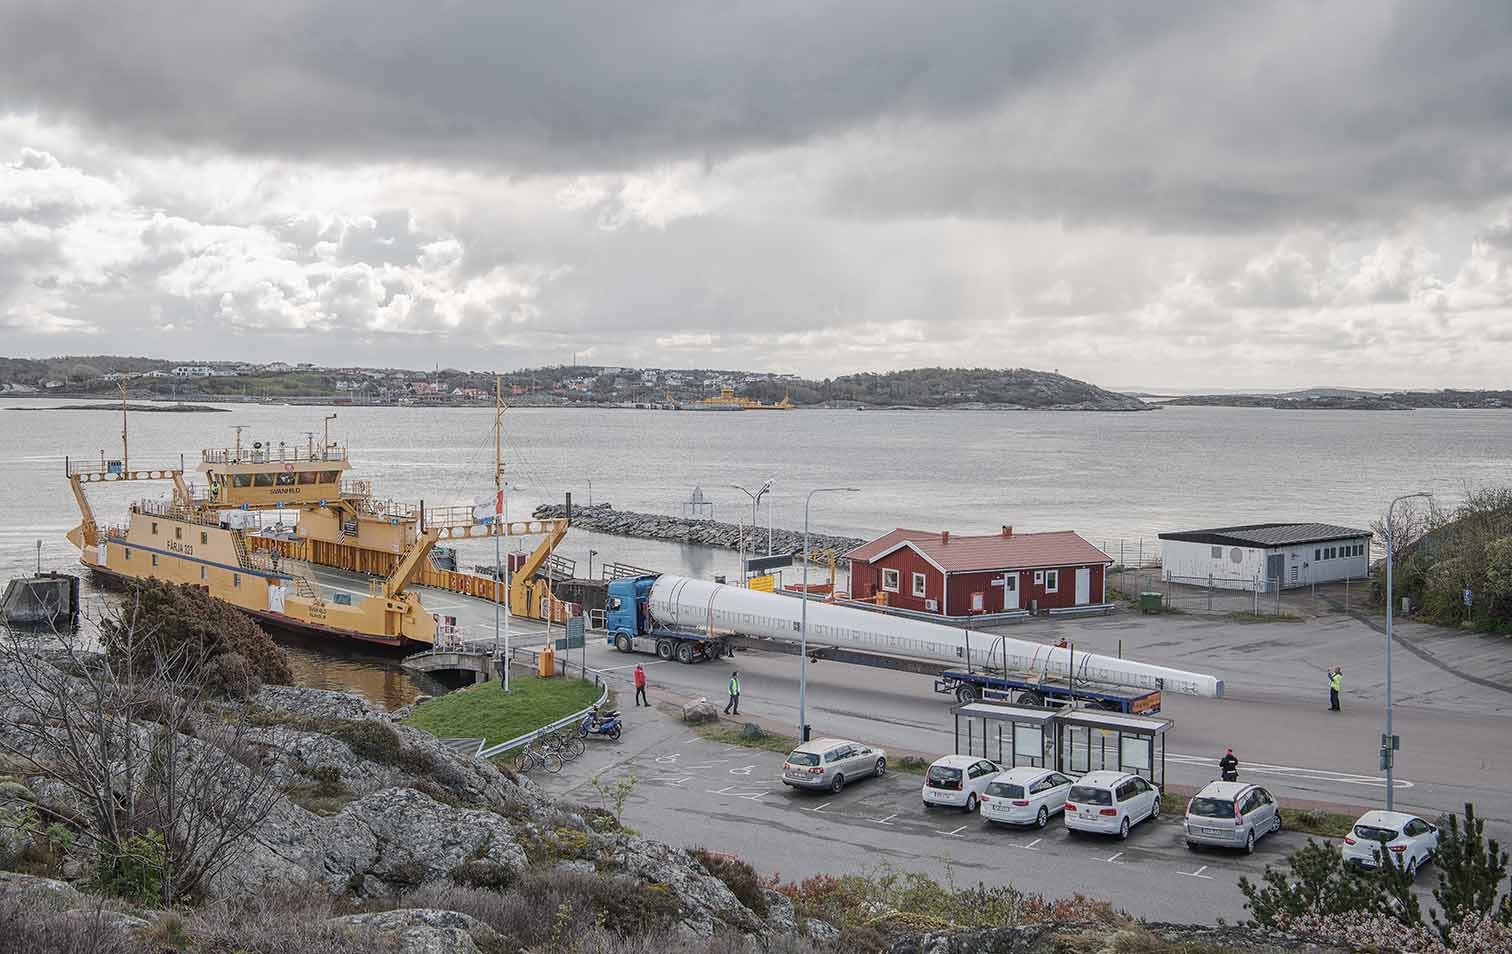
(1441, 553)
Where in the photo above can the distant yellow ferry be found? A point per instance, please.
(727, 401)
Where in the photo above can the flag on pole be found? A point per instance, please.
(490, 509)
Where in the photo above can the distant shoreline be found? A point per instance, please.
(177, 408)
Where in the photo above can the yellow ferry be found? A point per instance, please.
(728, 401)
(213, 537)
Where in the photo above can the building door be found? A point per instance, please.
(1010, 591)
(1275, 568)
(1083, 585)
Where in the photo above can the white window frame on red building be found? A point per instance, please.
(1052, 581)
(920, 584)
(896, 576)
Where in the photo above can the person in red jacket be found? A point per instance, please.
(640, 687)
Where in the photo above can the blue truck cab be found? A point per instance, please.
(630, 628)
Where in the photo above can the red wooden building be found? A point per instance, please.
(962, 575)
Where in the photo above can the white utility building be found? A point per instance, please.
(1261, 555)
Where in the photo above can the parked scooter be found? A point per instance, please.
(596, 723)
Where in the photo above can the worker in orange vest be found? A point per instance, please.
(640, 687)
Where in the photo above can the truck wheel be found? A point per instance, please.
(685, 653)
(1031, 699)
(622, 643)
(664, 648)
(966, 694)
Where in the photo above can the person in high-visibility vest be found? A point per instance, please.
(733, 706)
(1335, 686)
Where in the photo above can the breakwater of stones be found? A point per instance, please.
(603, 518)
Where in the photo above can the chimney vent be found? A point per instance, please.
(944, 536)
(1007, 530)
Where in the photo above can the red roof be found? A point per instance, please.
(994, 551)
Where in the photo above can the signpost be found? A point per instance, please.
(763, 564)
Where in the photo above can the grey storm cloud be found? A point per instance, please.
(570, 84)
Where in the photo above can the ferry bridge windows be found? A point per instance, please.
(241, 480)
(889, 580)
(330, 476)
(262, 480)
(919, 584)
(285, 480)
(307, 477)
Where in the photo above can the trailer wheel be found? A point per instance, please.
(685, 652)
(622, 643)
(1030, 698)
(664, 648)
(966, 694)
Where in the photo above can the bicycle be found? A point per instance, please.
(570, 744)
(536, 753)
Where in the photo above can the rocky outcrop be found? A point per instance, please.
(603, 518)
(427, 930)
(706, 901)
(700, 710)
(1060, 938)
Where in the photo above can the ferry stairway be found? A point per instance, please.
(305, 588)
(239, 541)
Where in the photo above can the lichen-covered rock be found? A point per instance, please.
(315, 703)
(12, 882)
(427, 930)
(381, 845)
(705, 899)
(700, 710)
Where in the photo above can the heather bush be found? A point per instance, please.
(738, 876)
(32, 926)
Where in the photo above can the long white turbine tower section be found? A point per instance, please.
(714, 607)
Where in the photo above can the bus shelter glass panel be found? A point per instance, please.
(1030, 747)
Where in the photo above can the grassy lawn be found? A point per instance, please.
(487, 711)
(783, 744)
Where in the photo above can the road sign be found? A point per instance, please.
(1394, 741)
(762, 564)
(575, 634)
(1468, 596)
(764, 583)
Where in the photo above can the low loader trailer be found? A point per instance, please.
(631, 629)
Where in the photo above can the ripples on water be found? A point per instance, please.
(1114, 477)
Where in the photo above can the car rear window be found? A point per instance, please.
(1005, 790)
(1211, 808)
(943, 773)
(1371, 833)
(1087, 795)
(803, 758)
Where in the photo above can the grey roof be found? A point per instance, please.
(1267, 535)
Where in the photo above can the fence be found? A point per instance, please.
(1230, 597)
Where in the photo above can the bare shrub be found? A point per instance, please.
(31, 925)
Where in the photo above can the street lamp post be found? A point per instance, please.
(755, 499)
(803, 611)
(591, 555)
(1388, 753)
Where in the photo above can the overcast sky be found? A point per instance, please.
(1155, 194)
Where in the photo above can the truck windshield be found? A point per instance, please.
(1005, 790)
(1211, 808)
(1087, 795)
(803, 758)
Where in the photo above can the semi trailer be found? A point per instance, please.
(681, 618)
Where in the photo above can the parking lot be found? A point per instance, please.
(693, 792)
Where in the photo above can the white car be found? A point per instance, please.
(958, 781)
(1412, 840)
(1025, 796)
(1110, 803)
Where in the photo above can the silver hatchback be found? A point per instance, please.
(831, 763)
(1231, 815)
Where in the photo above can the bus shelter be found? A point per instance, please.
(1093, 740)
(1008, 735)
(1072, 741)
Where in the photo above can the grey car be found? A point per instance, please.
(831, 763)
(1231, 815)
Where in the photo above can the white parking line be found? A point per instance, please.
(730, 790)
(956, 833)
(671, 779)
(818, 808)
(1197, 874)
(1030, 846)
(1114, 860)
(887, 820)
